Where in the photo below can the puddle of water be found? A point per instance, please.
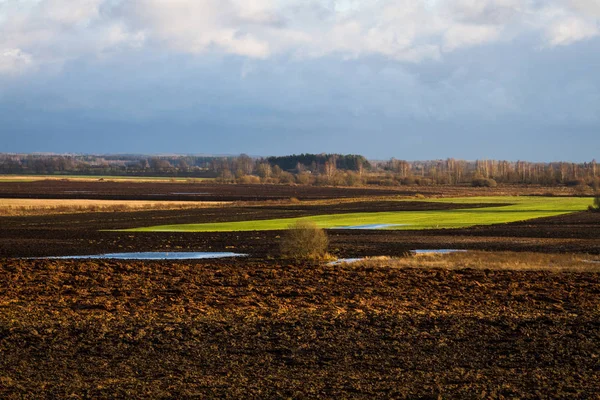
(370, 226)
(151, 256)
(437, 251)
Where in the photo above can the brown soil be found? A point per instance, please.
(81, 234)
(86, 329)
(52, 189)
(73, 234)
(261, 328)
(206, 191)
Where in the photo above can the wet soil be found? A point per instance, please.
(263, 328)
(81, 234)
(207, 191)
(107, 190)
(85, 233)
(244, 329)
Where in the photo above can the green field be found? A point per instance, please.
(520, 208)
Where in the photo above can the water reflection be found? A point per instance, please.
(437, 251)
(151, 256)
(370, 226)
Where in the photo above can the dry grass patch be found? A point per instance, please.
(293, 201)
(483, 260)
(21, 207)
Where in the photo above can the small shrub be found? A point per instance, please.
(353, 179)
(409, 180)
(304, 240)
(287, 178)
(484, 182)
(304, 178)
(249, 179)
(423, 181)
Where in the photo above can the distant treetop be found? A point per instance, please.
(349, 162)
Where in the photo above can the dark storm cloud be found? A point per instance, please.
(494, 78)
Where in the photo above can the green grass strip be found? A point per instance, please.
(520, 209)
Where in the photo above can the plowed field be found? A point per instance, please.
(81, 234)
(206, 191)
(53, 189)
(263, 328)
(87, 329)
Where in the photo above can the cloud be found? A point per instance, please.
(566, 22)
(485, 11)
(53, 32)
(66, 13)
(588, 7)
(199, 26)
(14, 61)
(458, 36)
(570, 30)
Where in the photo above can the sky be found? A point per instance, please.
(410, 79)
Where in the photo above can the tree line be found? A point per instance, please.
(318, 169)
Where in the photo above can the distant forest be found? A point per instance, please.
(317, 169)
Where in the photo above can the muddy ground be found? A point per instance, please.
(263, 328)
(108, 190)
(82, 234)
(243, 329)
(206, 191)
